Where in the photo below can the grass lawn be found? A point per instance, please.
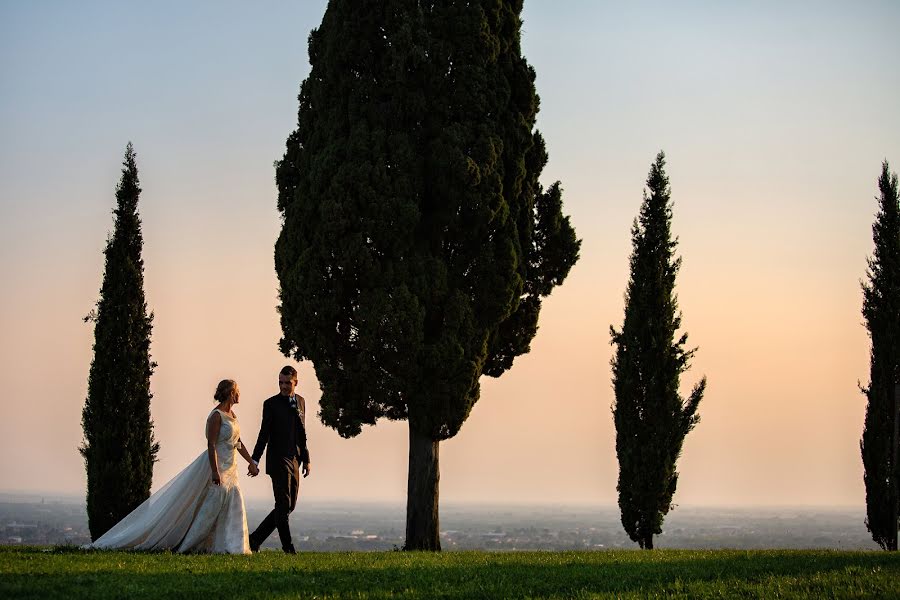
(69, 573)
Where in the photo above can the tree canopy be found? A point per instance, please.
(651, 417)
(417, 241)
(881, 310)
(119, 449)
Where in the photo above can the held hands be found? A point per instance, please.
(252, 469)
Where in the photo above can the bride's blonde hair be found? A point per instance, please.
(224, 389)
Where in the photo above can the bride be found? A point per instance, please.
(201, 509)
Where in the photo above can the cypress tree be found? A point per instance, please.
(881, 309)
(119, 449)
(417, 242)
(651, 417)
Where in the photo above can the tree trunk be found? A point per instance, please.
(422, 524)
(648, 542)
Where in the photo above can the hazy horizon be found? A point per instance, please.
(775, 120)
(318, 503)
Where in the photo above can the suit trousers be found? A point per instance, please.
(285, 485)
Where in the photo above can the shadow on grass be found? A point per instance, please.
(451, 575)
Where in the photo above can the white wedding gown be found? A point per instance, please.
(189, 513)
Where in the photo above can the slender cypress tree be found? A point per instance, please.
(651, 417)
(881, 309)
(119, 449)
(417, 242)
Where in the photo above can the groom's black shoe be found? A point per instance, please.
(289, 549)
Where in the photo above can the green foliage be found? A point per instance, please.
(881, 309)
(33, 573)
(417, 242)
(651, 417)
(119, 449)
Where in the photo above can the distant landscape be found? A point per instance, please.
(335, 526)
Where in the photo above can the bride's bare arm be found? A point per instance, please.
(253, 469)
(212, 436)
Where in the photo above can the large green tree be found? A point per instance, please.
(651, 417)
(119, 449)
(881, 309)
(417, 242)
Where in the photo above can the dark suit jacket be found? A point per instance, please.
(283, 429)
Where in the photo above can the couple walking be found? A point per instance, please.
(202, 509)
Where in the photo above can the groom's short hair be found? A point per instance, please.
(289, 370)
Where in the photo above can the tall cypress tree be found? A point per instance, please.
(119, 449)
(417, 242)
(651, 417)
(881, 309)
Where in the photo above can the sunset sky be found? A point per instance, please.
(775, 117)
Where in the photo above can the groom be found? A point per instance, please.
(284, 430)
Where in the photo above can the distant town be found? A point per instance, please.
(342, 526)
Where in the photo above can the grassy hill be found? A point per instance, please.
(69, 573)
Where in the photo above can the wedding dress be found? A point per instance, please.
(190, 513)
